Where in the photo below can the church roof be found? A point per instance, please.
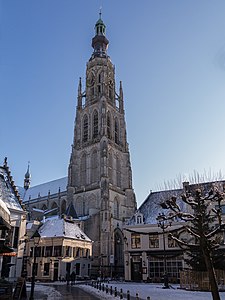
(7, 191)
(43, 189)
(62, 228)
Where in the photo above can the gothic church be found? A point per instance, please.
(99, 183)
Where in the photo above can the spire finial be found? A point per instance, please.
(27, 178)
(100, 12)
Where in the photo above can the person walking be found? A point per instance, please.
(73, 277)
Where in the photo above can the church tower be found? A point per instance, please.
(99, 175)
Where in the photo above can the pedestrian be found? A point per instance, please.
(67, 278)
(73, 277)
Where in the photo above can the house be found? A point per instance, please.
(12, 226)
(150, 252)
(60, 247)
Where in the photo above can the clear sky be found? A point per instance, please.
(170, 55)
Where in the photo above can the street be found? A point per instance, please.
(73, 292)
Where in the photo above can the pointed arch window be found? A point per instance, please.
(108, 125)
(116, 131)
(116, 209)
(94, 167)
(100, 81)
(95, 124)
(83, 169)
(110, 167)
(118, 172)
(44, 207)
(85, 128)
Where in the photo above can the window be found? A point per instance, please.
(85, 128)
(67, 251)
(135, 240)
(110, 167)
(108, 125)
(153, 241)
(37, 251)
(95, 124)
(48, 251)
(87, 253)
(116, 209)
(46, 269)
(116, 131)
(16, 237)
(83, 169)
(78, 252)
(173, 267)
(44, 207)
(139, 218)
(57, 251)
(171, 243)
(118, 172)
(94, 167)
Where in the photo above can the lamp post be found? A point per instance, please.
(36, 238)
(164, 224)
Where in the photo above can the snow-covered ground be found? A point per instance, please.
(154, 291)
(49, 292)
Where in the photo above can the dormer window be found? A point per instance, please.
(139, 218)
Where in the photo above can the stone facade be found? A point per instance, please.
(99, 174)
(100, 178)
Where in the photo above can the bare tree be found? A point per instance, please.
(202, 224)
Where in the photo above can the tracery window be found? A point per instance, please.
(94, 167)
(108, 125)
(116, 131)
(118, 172)
(116, 208)
(85, 128)
(83, 168)
(110, 167)
(95, 124)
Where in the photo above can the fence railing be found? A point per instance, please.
(121, 294)
(199, 281)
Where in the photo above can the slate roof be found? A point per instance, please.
(44, 188)
(8, 192)
(62, 228)
(151, 207)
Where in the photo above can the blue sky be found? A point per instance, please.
(170, 55)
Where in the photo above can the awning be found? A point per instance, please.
(8, 254)
(68, 259)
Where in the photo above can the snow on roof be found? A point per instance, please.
(151, 207)
(62, 228)
(7, 194)
(43, 189)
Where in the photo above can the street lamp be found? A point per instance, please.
(164, 224)
(36, 238)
